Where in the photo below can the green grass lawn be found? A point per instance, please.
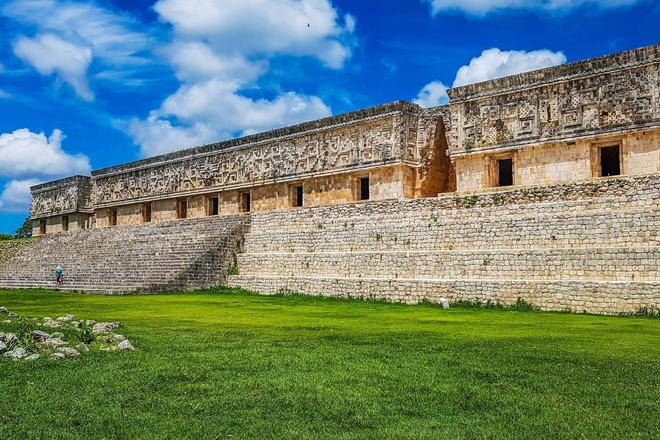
(232, 365)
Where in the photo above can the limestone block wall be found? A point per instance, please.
(561, 162)
(586, 246)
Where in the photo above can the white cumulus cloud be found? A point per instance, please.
(491, 64)
(15, 196)
(49, 54)
(263, 27)
(212, 111)
(495, 63)
(76, 31)
(27, 154)
(221, 49)
(483, 7)
(432, 94)
(30, 158)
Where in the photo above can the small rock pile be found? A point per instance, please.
(29, 341)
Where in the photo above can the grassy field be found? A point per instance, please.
(231, 365)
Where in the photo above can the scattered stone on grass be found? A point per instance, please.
(66, 318)
(69, 352)
(54, 343)
(125, 345)
(58, 345)
(444, 303)
(8, 338)
(49, 322)
(16, 353)
(40, 336)
(3, 310)
(105, 327)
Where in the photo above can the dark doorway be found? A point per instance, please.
(113, 217)
(214, 206)
(146, 213)
(183, 208)
(298, 196)
(364, 188)
(505, 172)
(42, 226)
(65, 223)
(610, 164)
(246, 202)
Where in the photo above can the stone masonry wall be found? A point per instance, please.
(592, 245)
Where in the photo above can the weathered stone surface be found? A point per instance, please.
(3, 347)
(17, 353)
(8, 338)
(32, 357)
(125, 345)
(49, 322)
(3, 310)
(119, 337)
(106, 327)
(69, 352)
(67, 318)
(54, 343)
(38, 335)
(57, 356)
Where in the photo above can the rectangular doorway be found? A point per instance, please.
(610, 161)
(505, 172)
(246, 202)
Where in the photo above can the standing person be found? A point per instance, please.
(59, 275)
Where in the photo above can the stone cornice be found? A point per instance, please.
(330, 123)
(564, 72)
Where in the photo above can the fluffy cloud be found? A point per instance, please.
(483, 7)
(491, 64)
(30, 158)
(15, 196)
(27, 154)
(263, 27)
(432, 95)
(69, 33)
(495, 63)
(212, 111)
(194, 61)
(221, 49)
(50, 54)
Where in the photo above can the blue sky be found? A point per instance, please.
(88, 84)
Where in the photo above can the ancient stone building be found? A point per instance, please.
(543, 185)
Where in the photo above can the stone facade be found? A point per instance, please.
(542, 185)
(586, 246)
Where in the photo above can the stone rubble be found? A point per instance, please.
(36, 344)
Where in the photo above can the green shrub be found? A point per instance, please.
(522, 306)
(86, 335)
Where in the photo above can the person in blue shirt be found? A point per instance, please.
(59, 275)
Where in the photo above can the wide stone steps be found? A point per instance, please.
(605, 264)
(608, 297)
(178, 255)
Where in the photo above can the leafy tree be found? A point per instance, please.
(25, 231)
(6, 237)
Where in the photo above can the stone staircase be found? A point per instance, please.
(178, 255)
(590, 246)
